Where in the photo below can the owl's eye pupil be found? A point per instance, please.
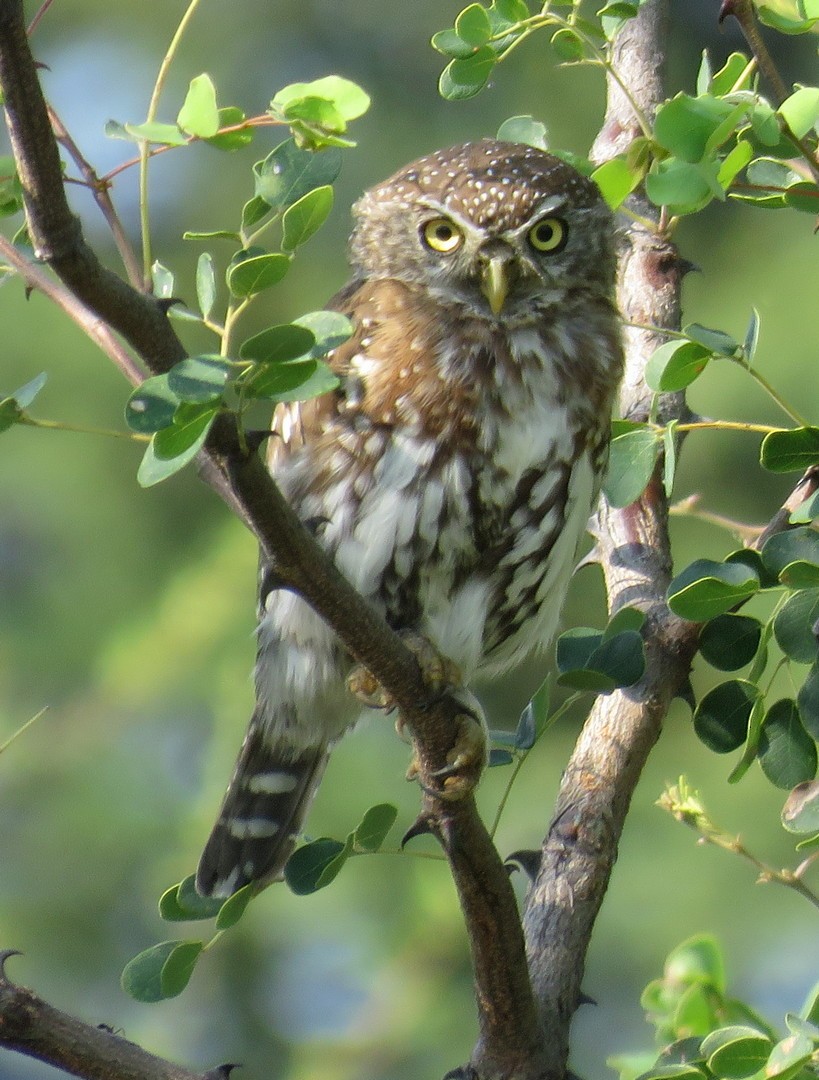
(549, 235)
(443, 232)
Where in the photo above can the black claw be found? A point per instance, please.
(528, 861)
(584, 999)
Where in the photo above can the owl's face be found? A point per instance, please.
(502, 229)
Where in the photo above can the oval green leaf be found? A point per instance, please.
(151, 406)
(199, 378)
(706, 589)
(790, 451)
(730, 641)
(304, 217)
(248, 276)
(794, 626)
(276, 344)
(736, 1052)
(675, 365)
(631, 464)
(199, 115)
(721, 717)
(374, 826)
(787, 753)
(306, 866)
(289, 172)
(234, 907)
(142, 977)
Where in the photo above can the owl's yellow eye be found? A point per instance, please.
(549, 235)
(441, 235)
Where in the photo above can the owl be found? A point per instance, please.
(451, 474)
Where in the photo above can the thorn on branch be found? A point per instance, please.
(4, 956)
(422, 826)
(528, 862)
(221, 1072)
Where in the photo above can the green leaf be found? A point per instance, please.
(669, 456)
(215, 234)
(801, 110)
(321, 381)
(793, 557)
(524, 129)
(800, 814)
(329, 328)
(616, 180)
(28, 392)
(162, 280)
(305, 869)
(473, 26)
(810, 1007)
(254, 211)
(276, 344)
(726, 79)
(679, 184)
(627, 618)
(173, 447)
(346, 97)
(675, 365)
(794, 626)
(231, 117)
(10, 413)
(374, 826)
(620, 657)
(787, 753)
(715, 341)
(288, 173)
(199, 115)
(631, 464)
(448, 43)
(736, 1052)
(498, 757)
(733, 163)
(199, 378)
(182, 903)
(164, 134)
(534, 718)
(234, 907)
(729, 641)
(751, 337)
(790, 451)
(695, 1013)
(803, 196)
(151, 406)
(248, 276)
(706, 589)
(304, 217)
(178, 967)
(283, 381)
(568, 45)
(463, 79)
(787, 1057)
(162, 971)
(698, 960)
(721, 717)
(808, 701)
(685, 125)
(205, 283)
(575, 646)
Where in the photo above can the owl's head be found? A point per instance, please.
(499, 227)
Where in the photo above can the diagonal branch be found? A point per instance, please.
(34, 1028)
(507, 1018)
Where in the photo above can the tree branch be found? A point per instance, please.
(507, 1017)
(34, 1028)
(580, 849)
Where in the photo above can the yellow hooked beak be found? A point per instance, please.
(495, 281)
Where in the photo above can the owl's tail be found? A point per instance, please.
(262, 811)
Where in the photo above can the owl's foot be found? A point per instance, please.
(465, 761)
(438, 672)
(467, 758)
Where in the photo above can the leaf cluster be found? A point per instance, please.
(706, 1034)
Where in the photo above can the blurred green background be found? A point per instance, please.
(130, 613)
